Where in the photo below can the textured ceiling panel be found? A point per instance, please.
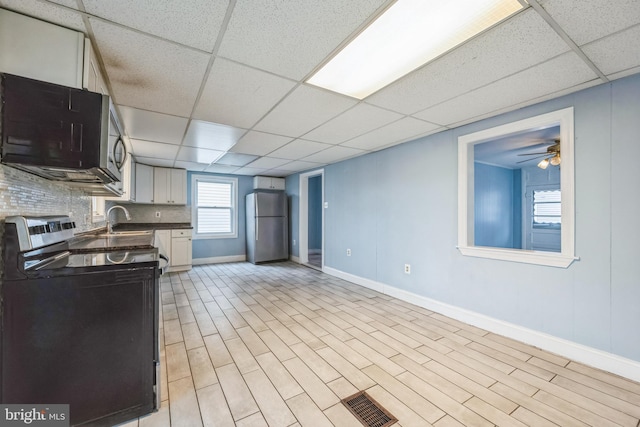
(199, 155)
(192, 166)
(588, 20)
(239, 96)
(521, 42)
(216, 168)
(360, 119)
(303, 110)
(148, 73)
(150, 126)
(391, 133)
(290, 38)
(536, 82)
(260, 143)
(194, 23)
(166, 163)
(616, 53)
(268, 163)
(299, 165)
(212, 135)
(46, 12)
(298, 148)
(333, 154)
(154, 149)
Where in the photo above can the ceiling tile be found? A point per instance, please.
(216, 168)
(151, 126)
(47, 12)
(236, 159)
(149, 74)
(354, 122)
(250, 171)
(211, 135)
(278, 173)
(193, 23)
(192, 166)
(401, 130)
(298, 148)
(527, 86)
(259, 143)
(304, 109)
(518, 43)
(334, 154)
(300, 165)
(239, 96)
(267, 163)
(165, 163)
(616, 53)
(588, 20)
(291, 38)
(154, 149)
(198, 155)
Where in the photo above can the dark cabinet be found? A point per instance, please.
(88, 340)
(44, 121)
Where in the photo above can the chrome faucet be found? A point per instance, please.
(126, 213)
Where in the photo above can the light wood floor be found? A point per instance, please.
(281, 344)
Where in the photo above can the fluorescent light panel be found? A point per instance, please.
(407, 35)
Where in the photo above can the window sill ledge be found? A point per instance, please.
(550, 259)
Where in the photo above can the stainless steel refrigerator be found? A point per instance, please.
(267, 226)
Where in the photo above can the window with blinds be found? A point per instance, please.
(215, 206)
(547, 208)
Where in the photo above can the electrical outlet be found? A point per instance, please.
(294, 242)
(407, 269)
(348, 252)
(157, 214)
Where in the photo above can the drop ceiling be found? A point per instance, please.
(218, 86)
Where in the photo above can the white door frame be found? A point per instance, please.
(303, 216)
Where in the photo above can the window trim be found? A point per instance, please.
(194, 206)
(466, 144)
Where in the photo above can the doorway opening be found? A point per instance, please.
(312, 219)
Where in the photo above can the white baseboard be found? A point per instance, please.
(219, 259)
(580, 353)
(295, 259)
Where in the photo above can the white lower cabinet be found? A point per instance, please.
(180, 250)
(177, 245)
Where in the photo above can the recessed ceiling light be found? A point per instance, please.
(407, 35)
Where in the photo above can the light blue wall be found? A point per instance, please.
(209, 248)
(399, 206)
(315, 212)
(496, 206)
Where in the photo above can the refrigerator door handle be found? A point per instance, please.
(257, 228)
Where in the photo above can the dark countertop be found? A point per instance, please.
(101, 243)
(125, 226)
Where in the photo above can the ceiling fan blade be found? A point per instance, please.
(534, 158)
(532, 154)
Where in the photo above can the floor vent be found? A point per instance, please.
(368, 411)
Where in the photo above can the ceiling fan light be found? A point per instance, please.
(544, 163)
(555, 160)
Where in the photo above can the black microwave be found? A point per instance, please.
(62, 134)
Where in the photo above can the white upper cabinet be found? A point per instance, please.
(169, 186)
(268, 183)
(40, 50)
(92, 77)
(144, 183)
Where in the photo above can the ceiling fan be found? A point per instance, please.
(551, 156)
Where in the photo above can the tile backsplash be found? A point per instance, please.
(25, 194)
(22, 193)
(147, 213)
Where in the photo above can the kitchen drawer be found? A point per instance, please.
(181, 233)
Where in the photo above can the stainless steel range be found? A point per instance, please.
(80, 320)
